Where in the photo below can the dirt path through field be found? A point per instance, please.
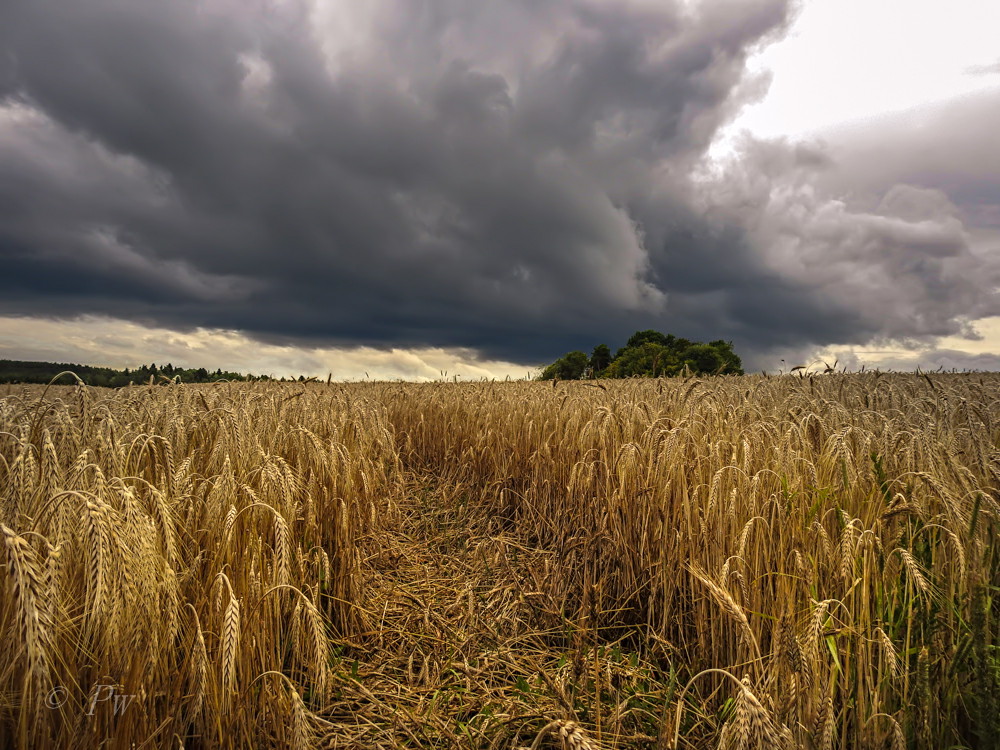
(455, 656)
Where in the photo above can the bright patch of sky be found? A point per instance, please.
(853, 60)
(106, 342)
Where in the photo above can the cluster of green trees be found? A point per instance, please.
(12, 371)
(648, 354)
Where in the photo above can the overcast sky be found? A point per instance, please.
(405, 187)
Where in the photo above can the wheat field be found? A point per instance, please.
(732, 562)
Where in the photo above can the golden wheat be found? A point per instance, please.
(711, 562)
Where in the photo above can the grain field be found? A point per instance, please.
(731, 562)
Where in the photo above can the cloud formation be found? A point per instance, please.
(518, 178)
(879, 252)
(984, 70)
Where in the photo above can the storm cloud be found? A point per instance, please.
(516, 178)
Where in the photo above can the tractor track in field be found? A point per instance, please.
(456, 653)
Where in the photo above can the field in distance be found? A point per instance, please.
(716, 562)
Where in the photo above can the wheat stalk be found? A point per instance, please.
(230, 639)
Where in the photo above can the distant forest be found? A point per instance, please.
(13, 371)
(648, 354)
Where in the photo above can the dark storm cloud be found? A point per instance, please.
(516, 177)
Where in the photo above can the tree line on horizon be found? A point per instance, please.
(15, 371)
(648, 354)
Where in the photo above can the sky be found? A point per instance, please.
(434, 188)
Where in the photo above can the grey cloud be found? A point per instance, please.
(879, 225)
(517, 178)
(984, 70)
(950, 146)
